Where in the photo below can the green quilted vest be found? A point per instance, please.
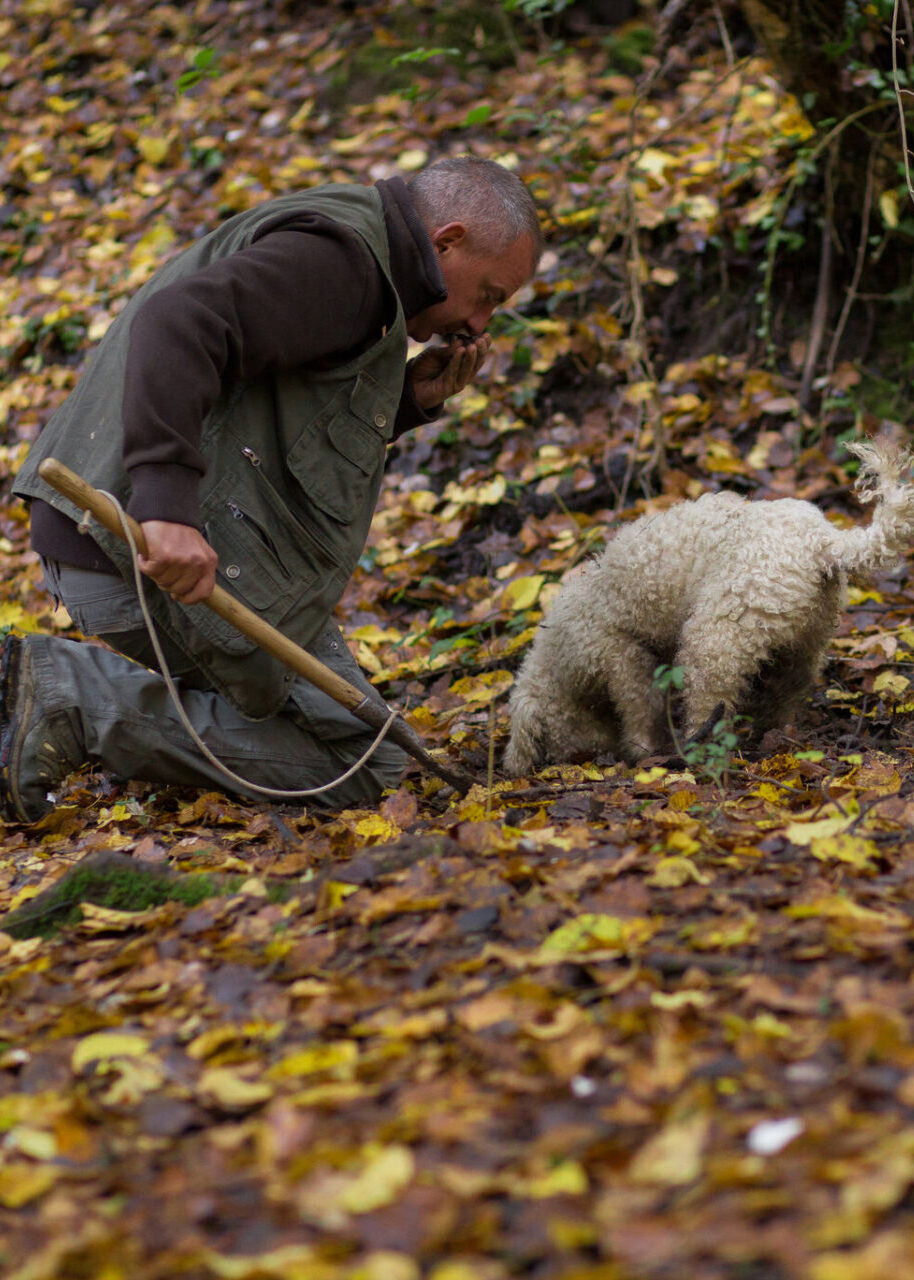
(294, 465)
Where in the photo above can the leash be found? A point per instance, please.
(85, 498)
(274, 792)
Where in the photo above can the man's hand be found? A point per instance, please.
(440, 372)
(179, 560)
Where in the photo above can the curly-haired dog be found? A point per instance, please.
(743, 596)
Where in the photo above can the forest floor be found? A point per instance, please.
(603, 1023)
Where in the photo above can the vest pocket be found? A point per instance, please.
(248, 558)
(339, 457)
(268, 559)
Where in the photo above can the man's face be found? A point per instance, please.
(476, 283)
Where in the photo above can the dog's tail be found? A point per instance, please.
(884, 477)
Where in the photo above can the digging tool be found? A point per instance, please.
(100, 506)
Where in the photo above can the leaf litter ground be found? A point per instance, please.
(603, 1023)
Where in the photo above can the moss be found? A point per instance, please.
(467, 32)
(628, 48)
(114, 881)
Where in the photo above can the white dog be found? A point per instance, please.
(743, 596)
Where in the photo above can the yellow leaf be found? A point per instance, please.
(673, 873)
(768, 791)
(653, 160)
(297, 122)
(374, 634)
(845, 911)
(522, 593)
(572, 773)
(721, 457)
(411, 159)
(334, 1093)
(132, 1079)
(578, 217)
(387, 1173)
(384, 1265)
(154, 148)
(288, 1262)
(687, 999)
(803, 833)
(38, 1144)
(13, 615)
(21, 1182)
(102, 1046)
(845, 847)
(480, 690)
(672, 1157)
(639, 392)
(888, 207)
(416, 1026)
(683, 843)
(336, 1058)
(566, 1179)
(701, 208)
(681, 800)
(654, 774)
(472, 402)
(231, 1091)
(60, 106)
(97, 919)
(890, 1253)
(593, 932)
(335, 893)
(859, 595)
(376, 828)
(105, 251)
(712, 936)
(346, 146)
(148, 251)
(891, 682)
(488, 493)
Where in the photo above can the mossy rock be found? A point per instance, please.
(110, 880)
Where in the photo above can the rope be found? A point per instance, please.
(182, 714)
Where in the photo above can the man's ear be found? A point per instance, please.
(449, 236)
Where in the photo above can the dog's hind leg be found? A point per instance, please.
(719, 658)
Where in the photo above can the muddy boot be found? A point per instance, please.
(37, 750)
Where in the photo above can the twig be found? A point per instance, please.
(774, 234)
(490, 771)
(851, 293)
(637, 328)
(823, 288)
(865, 810)
(725, 139)
(724, 34)
(898, 96)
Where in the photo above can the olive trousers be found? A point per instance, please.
(113, 709)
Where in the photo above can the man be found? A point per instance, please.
(240, 408)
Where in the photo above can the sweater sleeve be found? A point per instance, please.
(292, 298)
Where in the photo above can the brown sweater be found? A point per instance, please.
(307, 293)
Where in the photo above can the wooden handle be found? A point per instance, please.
(226, 606)
(250, 624)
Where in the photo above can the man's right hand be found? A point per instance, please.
(179, 560)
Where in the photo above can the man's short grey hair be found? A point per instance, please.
(493, 202)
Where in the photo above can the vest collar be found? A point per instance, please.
(413, 262)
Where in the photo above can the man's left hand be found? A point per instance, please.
(440, 372)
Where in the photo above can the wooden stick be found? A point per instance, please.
(84, 496)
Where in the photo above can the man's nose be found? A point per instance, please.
(479, 320)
